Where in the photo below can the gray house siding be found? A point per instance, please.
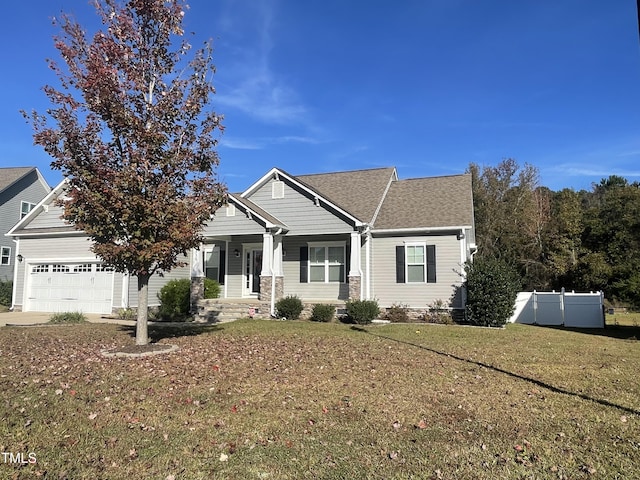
(448, 265)
(311, 290)
(239, 224)
(27, 189)
(156, 282)
(51, 217)
(299, 212)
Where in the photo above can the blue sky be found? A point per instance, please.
(427, 86)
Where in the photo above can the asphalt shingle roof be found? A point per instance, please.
(427, 203)
(358, 192)
(8, 176)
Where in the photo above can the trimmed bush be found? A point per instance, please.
(397, 314)
(362, 311)
(289, 307)
(211, 288)
(323, 312)
(67, 317)
(492, 287)
(175, 299)
(6, 291)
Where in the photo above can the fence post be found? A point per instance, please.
(562, 304)
(535, 308)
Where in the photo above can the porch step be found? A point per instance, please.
(220, 311)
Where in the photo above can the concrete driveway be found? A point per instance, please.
(37, 318)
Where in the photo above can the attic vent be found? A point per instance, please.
(277, 189)
(231, 210)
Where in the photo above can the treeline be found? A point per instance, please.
(580, 240)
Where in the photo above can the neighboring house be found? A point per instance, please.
(326, 238)
(21, 188)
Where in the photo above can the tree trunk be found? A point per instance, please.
(142, 335)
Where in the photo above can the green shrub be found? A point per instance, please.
(6, 291)
(289, 307)
(175, 299)
(397, 314)
(211, 288)
(323, 312)
(67, 317)
(492, 287)
(362, 311)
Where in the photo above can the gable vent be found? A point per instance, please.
(277, 189)
(231, 210)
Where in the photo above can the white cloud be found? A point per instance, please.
(248, 81)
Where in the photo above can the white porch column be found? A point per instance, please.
(277, 256)
(197, 260)
(354, 261)
(267, 254)
(197, 279)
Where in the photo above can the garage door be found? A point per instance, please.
(70, 287)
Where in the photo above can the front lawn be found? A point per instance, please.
(292, 400)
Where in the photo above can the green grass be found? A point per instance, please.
(295, 400)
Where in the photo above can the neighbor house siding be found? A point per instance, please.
(311, 290)
(419, 295)
(299, 212)
(58, 249)
(27, 189)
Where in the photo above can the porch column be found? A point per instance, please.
(355, 274)
(197, 279)
(267, 267)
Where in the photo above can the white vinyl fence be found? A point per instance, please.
(569, 309)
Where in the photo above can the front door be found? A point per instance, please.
(253, 268)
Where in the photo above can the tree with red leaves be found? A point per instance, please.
(131, 130)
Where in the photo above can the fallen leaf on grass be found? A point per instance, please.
(224, 457)
(422, 424)
(93, 416)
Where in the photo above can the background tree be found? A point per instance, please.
(512, 213)
(130, 130)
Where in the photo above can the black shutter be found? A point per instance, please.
(431, 264)
(223, 266)
(400, 264)
(304, 264)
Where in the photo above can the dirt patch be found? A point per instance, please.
(139, 350)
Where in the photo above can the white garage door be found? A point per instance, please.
(70, 287)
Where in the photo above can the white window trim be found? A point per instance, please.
(214, 250)
(3, 256)
(326, 245)
(406, 261)
(22, 212)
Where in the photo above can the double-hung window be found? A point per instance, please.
(5, 257)
(416, 263)
(327, 263)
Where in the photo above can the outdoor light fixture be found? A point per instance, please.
(236, 252)
(19, 257)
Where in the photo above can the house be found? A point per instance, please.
(326, 237)
(329, 237)
(21, 188)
